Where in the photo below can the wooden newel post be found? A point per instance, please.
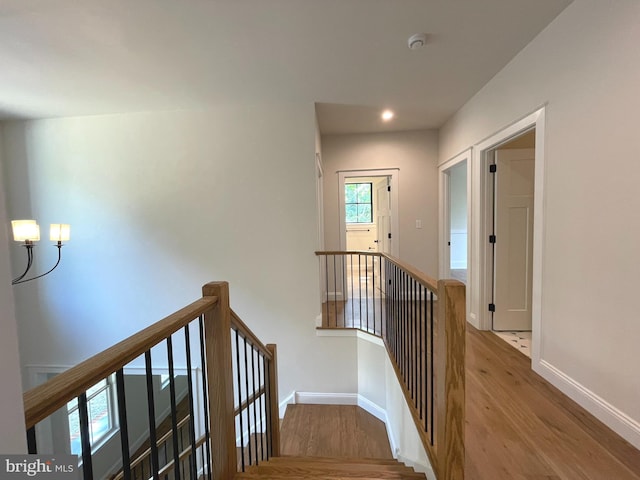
(450, 368)
(274, 407)
(217, 325)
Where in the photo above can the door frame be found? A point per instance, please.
(482, 216)
(444, 171)
(444, 213)
(393, 174)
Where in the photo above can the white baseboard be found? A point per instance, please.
(327, 398)
(616, 420)
(333, 297)
(282, 406)
(381, 414)
(319, 320)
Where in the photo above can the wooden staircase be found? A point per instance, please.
(293, 467)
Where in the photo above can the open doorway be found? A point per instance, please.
(457, 221)
(483, 276)
(454, 222)
(511, 187)
(368, 202)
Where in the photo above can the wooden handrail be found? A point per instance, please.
(240, 326)
(42, 401)
(421, 277)
(348, 252)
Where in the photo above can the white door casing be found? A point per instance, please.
(393, 175)
(383, 216)
(513, 250)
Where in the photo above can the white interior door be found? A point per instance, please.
(383, 216)
(513, 250)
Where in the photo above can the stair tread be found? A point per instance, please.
(250, 476)
(330, 468)
(296, 458)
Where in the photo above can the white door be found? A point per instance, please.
(383, 216)
(513, 249)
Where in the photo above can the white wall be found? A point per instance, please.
(378, 384)
(12, 439)
(415, 154)
(161, 203)
(585, 68)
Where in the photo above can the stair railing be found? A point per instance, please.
(422, 323)
(200, 336)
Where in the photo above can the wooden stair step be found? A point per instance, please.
(291, 458)
(330, 468)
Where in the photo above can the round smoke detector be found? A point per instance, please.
(417, 41)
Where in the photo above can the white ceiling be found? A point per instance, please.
(70, 57)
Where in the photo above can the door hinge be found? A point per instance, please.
(492, 239)
(389, 281)
(492, 307)
(493, 168)
(388, 188)
(389, 236)
(448, 244)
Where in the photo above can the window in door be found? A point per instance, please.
(358, 201)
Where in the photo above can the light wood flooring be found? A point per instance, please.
(519, 427)
(333, 431)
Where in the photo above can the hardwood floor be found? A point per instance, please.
(333, 431)
(518, 426)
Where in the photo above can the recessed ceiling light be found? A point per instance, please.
(387, 115)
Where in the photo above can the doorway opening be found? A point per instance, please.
(506, 250)
(368, 202)
(511, 187)
(454, 222)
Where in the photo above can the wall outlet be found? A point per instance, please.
(418, 223)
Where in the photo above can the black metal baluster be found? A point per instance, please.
(85, 437)
(32, 444)
(205, 397)
(255, 392)
(192, 425)
(269, 399)
(263, 414)
(423, 294)
(153, 441)
(359, 290)
(248, 409)
(427, 364)
(239, 398)
(343, 274)
(373, 291)
(335, 292)
(366, 289)
(410, 337)
(432, 406)
(326, 278)
(416, 300)
(122, 420)
(352, 290)
(174, 413)
(396, 314)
